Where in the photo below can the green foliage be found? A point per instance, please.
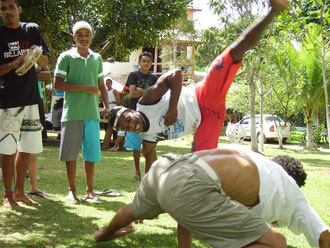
(311, 69)
(285, 74)
(174, 43)
(120, 26)
(310, 11)
(238, 97)
(215, 43)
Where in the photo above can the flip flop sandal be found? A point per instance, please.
(108, 192)
(91, 200)
(38, 193)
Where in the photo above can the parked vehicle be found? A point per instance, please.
(270, 130)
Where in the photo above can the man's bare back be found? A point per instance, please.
(238, 174)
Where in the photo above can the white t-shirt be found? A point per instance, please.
(281, 199)
(188, 120)
(112, 98)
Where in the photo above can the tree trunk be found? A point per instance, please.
(254, 143)
(317, 117)
(325, 86)
(174, 52)
(262, 141)
(325, 46)
(309, 137)
(279, 133)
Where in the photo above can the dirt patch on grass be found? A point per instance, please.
(325, 171)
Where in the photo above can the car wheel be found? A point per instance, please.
(284, 140)
(259, 138)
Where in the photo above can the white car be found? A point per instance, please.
(270, 130)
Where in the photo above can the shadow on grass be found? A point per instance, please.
(58, 224)
(162, 149)
(44, 226)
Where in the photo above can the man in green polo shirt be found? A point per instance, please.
(79, 73)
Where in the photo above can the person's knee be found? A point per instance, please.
(280, 240)
(273, 238)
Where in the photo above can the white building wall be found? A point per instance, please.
(123, 68)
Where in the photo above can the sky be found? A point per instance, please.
(205, 18)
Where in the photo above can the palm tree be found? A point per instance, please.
(312, 93)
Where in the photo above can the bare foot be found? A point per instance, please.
(103, 148)
(138, 221)
(72, 196)
(9, 201)
(123, 150)
(92, 195)
(137, 177)
(103, 236)
(112, 149)
(25, 199)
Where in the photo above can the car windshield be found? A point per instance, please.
(272, 118)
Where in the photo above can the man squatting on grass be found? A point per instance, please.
(226, 197)
(168, 111)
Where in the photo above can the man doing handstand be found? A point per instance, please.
(168, 111)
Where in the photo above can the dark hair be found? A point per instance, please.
(58, 104)
(16, 1)
(115, 114)
(145, 54)
(293, 167)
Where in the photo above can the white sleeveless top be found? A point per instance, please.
(189, 116)
(112, 98)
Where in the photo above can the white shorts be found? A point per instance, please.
(20, 129)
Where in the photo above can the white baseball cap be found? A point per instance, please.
(80, 25)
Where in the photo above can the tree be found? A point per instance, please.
(174, 43)
(216, 40)
(120, 25)
(283, 81)
(314, 13)
(312, 92)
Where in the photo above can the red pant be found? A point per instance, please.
(211, 96)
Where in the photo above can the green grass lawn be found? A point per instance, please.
(57, 223)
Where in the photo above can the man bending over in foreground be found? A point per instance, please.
(226, 197)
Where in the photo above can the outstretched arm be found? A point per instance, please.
(184, 237)
(252, 34)
(171, 80)
(119, 226)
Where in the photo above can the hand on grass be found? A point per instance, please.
(103, 236)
